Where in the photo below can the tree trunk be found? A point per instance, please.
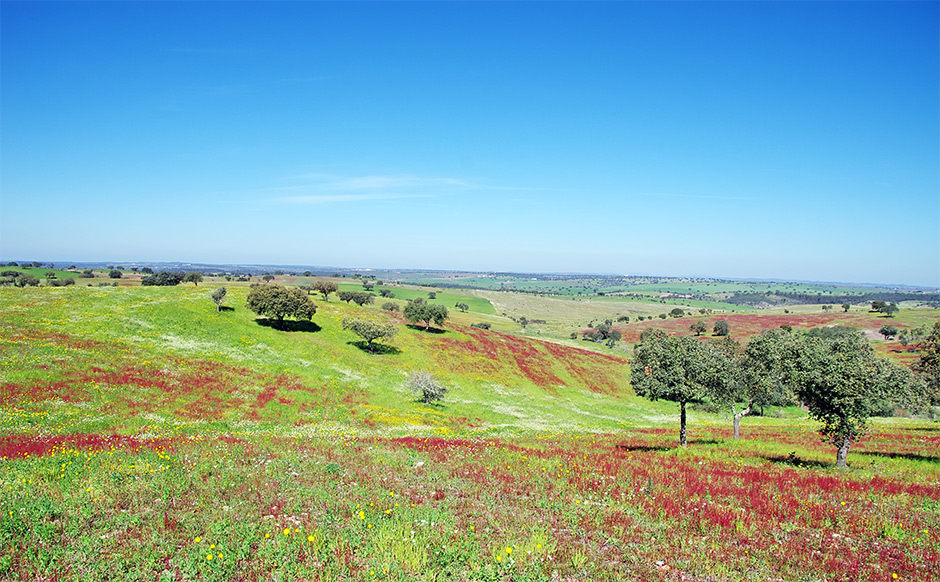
(737, 420)
(843, 453)
(219, 307)
(682, 439)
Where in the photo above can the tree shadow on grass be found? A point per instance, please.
(665, 447)
(911, 456)
(435, 330)
(226, 308)
(646, 448)
(376, 348)
(795, 461)
(289, 325)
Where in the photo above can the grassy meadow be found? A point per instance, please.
(144, 435)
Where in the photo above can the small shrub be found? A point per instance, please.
(425, 386)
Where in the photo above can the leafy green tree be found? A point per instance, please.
(194, 277)
(386, 293)
(888, 331)
(677, 312)
(420, 310)
(267, 277)
(370, 330)
(927, 365)
(846, 307)
(722, 327)
(724, 378)
(115, 274)
(761, 366)
(218, 296)
(278, 302)
(162, 279)
(698, 328)
(147, 270)
(389, 306)
(362, 298)
(889, 309)
(324, 288)
(432, 295)
(463, 307)
(670, 368)
(426, 386)
(842, 383)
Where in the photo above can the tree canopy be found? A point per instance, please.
(670, 368)
(278, 302)
(420, 310)
(842, 383)
(194, 277)
(370, 330)
(324, 288)
(218, 296)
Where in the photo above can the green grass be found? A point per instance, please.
(134, 420)
(448, 298)
(40, 272)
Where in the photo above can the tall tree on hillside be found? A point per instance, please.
(194, 277)
(698, 327)
(670, 368)
(842, 383)
(763, 374)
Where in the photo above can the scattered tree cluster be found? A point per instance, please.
(832, 371)
(360, 298)
(18, 279)
(602, 333)
(162, 279)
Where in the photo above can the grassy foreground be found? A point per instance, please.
(143, 435)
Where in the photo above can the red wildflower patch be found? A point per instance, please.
(38, 446)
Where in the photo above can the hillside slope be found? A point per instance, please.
(128, 357)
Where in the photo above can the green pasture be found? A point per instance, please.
(145, 435)
(448, 297)
(40, 272)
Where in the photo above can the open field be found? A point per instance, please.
(145, 435)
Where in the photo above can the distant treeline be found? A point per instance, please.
(794, 298)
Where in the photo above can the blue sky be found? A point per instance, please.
(794, 140)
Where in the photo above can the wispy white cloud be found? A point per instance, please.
(698, 196)
(332, 198)
(316, 188)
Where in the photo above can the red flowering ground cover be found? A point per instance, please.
(545, 364)
(126, 383)
(13, 446)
